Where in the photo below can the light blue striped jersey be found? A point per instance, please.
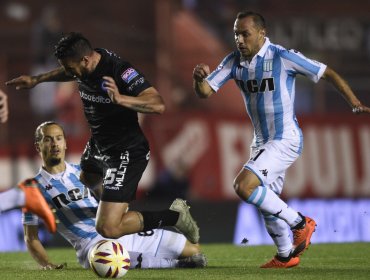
(267, 85)
(74, 204)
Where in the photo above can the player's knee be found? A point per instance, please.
(107, 231)
(243, 188)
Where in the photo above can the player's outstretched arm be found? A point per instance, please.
(26, 81)
(3, 107)
(342, 86)
(148, 101)
(37, 250)
(201, 87)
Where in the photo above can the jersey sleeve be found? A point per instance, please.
(296, 63)
(130, 81)
(222, 73)
(29, 219)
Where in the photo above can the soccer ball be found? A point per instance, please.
(109, 259)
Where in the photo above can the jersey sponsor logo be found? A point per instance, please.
(62, 199)
(114, 178)
(254, 86)
(135, 84)
(94, 98)
(129, 74)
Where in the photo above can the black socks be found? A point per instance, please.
(301, 224)
(159, 219)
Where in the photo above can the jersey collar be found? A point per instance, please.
(100, 66)
(264, 48)
(48, 177)
(261, 53)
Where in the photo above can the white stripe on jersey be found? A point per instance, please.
(75, 206)
(267, 84)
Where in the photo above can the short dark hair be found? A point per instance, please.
(38, 132)
(72, 45)
(258, 19)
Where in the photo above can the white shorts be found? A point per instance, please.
(271, 160)
(151, 247)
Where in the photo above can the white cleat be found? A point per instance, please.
(185, 224)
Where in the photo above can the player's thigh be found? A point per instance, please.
(271, 160)
(246, 179)
(110, 213)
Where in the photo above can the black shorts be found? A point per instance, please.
(121, 170)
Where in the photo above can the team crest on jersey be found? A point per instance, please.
(267, 65)
(129, 74)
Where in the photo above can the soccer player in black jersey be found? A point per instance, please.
(112, 92)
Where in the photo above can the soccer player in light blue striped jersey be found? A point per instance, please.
(76, 207)
(265, 73)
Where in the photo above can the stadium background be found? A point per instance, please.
(198, 146)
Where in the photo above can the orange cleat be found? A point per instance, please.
(302, 236)
(281, 262)
(36, 203)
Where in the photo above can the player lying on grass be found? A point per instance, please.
(76, 207)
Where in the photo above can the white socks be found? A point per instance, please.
(268, 202)
(280, 234)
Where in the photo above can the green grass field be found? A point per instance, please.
(328, 261)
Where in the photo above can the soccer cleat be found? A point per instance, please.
(195, 261)
(185, 224)
(281, 262)
(302, 236)
(36, 203)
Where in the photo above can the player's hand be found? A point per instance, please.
(111, 88)
(200, 72)
(360, 109)
(3, 107)
(22, 82)
(51, 266)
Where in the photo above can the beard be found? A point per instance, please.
(54, 161)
